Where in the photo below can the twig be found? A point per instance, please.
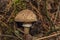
(54, 35)
(4, 24)
(10, 16)
(15, 32)
(20, 30)
(38, 2)
(56, 14)
(8, 6)
(2, 35)
(38, 13)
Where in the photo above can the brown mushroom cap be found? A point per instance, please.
(25, 16)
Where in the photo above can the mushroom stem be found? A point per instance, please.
(27, 28)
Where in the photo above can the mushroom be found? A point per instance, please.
(27, 17)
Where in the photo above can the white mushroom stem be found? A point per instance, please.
(27, 28)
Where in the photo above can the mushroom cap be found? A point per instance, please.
(25, 16)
